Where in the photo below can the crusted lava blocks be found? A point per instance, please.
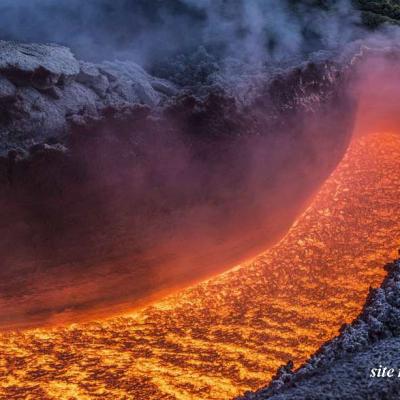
(43, 89)
(112, 176)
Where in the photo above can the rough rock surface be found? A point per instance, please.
(43, 89)
(341, 368)
(107, 172)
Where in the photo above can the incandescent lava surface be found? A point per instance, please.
(227, 335)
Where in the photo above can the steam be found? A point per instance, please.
(269, 30)
(147, 32)
(377, 87)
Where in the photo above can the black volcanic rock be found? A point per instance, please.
(43, 88)
(113, 175)
(8, 91)
(376, 13)
(39, 65)
(340, 369)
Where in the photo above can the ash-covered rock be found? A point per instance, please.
(341, 368)
(117, 175)
(8, 91)
(43, 89)
(39, 65)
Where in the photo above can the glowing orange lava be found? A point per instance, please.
(230, 333)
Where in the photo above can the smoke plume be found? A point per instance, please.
(150, 31)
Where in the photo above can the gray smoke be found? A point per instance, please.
(150, 31)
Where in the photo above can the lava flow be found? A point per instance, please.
(229, 334)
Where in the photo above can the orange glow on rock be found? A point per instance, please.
(229, 334)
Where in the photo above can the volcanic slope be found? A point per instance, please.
(229, 334)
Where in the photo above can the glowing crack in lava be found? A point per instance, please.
(230, 333)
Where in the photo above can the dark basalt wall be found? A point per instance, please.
(124, 199)
(376, 13)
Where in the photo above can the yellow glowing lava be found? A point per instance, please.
(230, 333)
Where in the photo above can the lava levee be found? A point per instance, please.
(227, 335)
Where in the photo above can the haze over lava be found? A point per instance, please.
(202, 219)
(118, 185)
(136, 200)
(229, 334)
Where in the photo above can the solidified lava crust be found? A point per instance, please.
(116, 186)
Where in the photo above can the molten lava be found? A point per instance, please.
(229, 334)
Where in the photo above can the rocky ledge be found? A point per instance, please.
(341, 368)
(44, 89)
(110, 174)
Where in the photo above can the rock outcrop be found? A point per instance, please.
(113, 175)
(341, 368)
(44, 89)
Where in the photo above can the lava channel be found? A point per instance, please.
(227, 335)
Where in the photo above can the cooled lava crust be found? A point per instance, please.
(116, 186)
